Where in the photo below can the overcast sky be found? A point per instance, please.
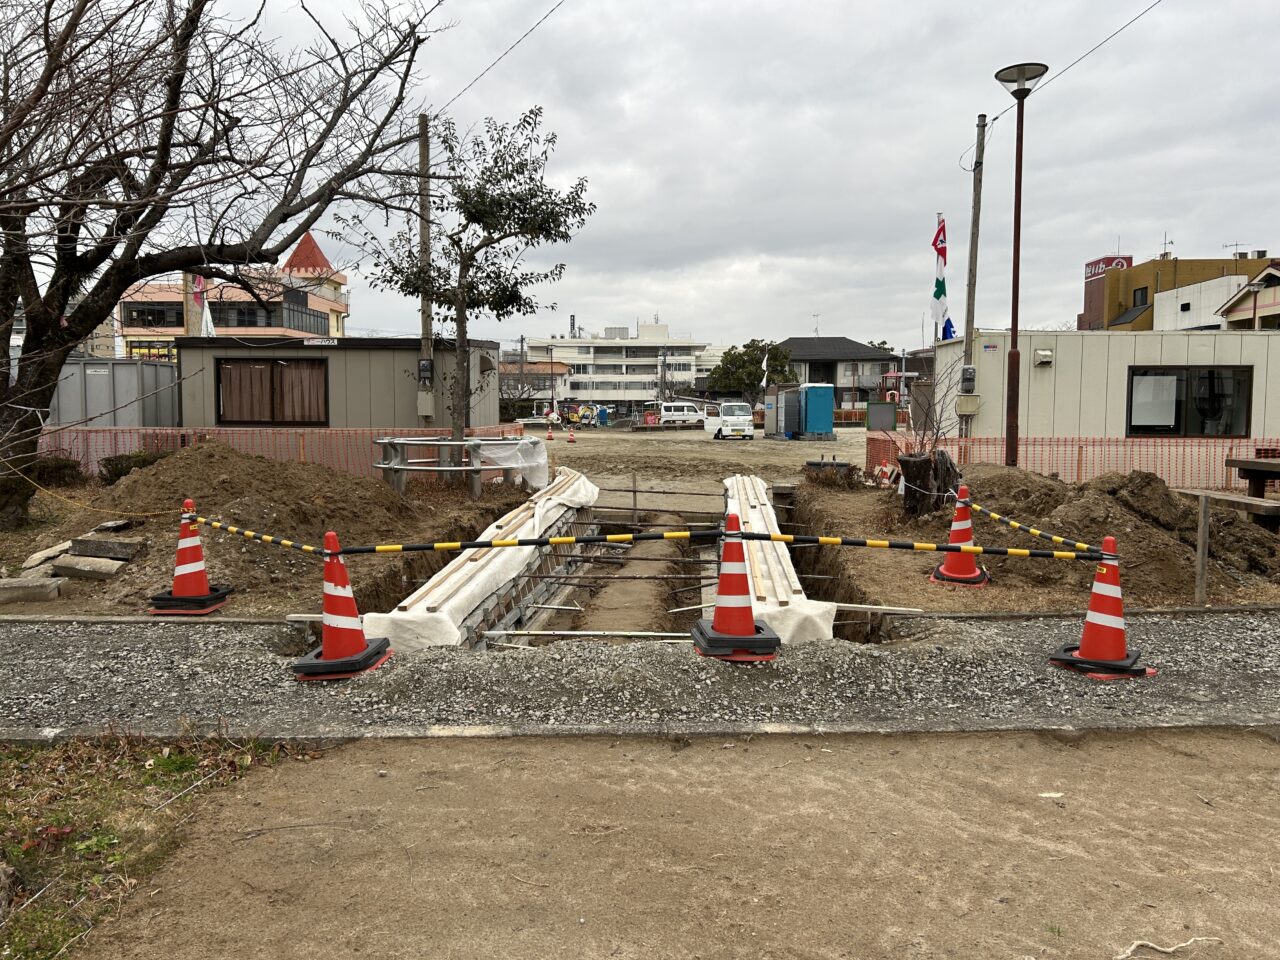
(756, 163)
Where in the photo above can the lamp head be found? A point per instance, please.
(1021, 78)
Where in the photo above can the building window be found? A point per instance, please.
(153, 315)
(151, 350)
(1140, 296)
(1189, 401)
(273, 392)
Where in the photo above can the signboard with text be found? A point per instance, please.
(1096, 268)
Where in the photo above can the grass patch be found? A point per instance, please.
(83, 823)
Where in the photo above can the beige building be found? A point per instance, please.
(323, 382)
(1182, 384)
(306, 297)
(1256, 305)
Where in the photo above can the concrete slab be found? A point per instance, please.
(18, 589)
(113, 548)
(40, 556)
(87, 568)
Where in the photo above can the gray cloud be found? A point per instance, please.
(756, 163)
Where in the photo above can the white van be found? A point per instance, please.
(725, 420)
(680, 412)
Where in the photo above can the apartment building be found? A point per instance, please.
(306, 297)
(622, 369)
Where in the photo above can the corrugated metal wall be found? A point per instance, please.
(116, 393)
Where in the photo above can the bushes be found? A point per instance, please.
(56, 469)
(111, 469)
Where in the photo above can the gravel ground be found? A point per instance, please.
(946, 675)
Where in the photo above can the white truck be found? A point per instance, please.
(725, 420)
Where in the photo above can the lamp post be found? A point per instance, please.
(1019, 79)
(1255, 286)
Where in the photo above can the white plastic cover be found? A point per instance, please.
(528, 457)
(785, 608)
(433, 615)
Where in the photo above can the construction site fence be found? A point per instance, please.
(346, 449)
(1192, 462)
(842, 418)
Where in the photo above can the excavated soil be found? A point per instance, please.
(297, 501)
(1155, 530)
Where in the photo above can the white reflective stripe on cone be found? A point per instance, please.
(188, 568)
(734, 566)
(341, 623)
(1104, 619)
(733, 601)
(1106, 589)
(333, 590)
(187, 542)
(1109, 563)
(962, 525)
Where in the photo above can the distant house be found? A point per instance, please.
(853, 368)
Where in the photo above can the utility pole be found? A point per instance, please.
(971, 287)
(521, 390)
(426, 379)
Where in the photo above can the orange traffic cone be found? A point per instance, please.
(958, 567)
(571, 440)
(550, 436)
(733, 633)
(1101, 652)
(343, 650)
(191, 594)
(882, 474)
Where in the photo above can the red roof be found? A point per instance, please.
(307, 257)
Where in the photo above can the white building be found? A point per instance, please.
(1187, 385)
(619, 368)
(1195, 306)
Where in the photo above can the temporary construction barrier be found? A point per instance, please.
(733, 634)
(344, 651)
(191, 594)
(961, 568)
(1101, 653)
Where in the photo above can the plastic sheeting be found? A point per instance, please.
(433, 616)
(785, 608)
(528, 457)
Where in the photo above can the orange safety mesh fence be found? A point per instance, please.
(1189, 463)
(847, 417)
(346, 449)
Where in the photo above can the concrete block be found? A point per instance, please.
(87, 568)
(113, 548)
(42, 572)
(40, 556)
(19, 589)
(114, 526)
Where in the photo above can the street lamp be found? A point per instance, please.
(1256, 286)
(1019, 79)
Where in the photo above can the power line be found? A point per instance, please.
(1101, 43)
(481, 74)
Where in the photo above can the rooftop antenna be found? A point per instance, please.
(1234, 247)
(815, 322)
(1167, 242)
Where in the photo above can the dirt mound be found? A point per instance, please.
(1154, 527)
(295, 501)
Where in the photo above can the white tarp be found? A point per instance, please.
(435, 613)
(528, 457)
(798, 619)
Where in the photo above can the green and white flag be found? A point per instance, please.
(941, 318)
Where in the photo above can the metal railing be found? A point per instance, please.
(451, 456)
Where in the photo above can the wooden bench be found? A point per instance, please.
(1264, 512)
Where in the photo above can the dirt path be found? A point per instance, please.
(876, 848)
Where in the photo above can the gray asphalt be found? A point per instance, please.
(161, 678)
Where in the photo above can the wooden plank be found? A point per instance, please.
(1202, 551)
(1238, 501)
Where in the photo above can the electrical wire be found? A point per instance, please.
(1097, 46)
(481, 74)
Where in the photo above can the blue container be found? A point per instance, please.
(817, 408)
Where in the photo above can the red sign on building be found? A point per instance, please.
(1096, 268)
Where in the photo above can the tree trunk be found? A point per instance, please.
(928, 477)
(20, 424)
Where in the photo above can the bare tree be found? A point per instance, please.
(929, 472)
(149, 137)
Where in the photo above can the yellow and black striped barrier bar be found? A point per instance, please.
(1094, 555)
(454, 545)
(251, 535)
(1067, 541)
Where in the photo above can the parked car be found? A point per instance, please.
(725, 420)
(680, 411)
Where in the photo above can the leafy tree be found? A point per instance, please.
(741, 369)
(880, 345)
(495, 206)
(141, 138)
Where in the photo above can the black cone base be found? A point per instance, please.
(708, 643)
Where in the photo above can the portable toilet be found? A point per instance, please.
(817, 408)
